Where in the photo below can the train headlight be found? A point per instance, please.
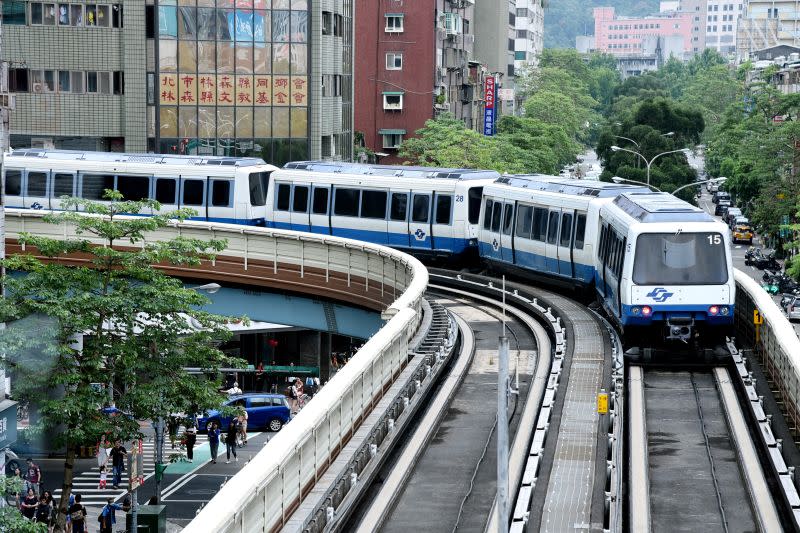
(725, 311)
(713, 310)
(646, 310)
(635, 310)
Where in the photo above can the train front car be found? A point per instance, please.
(666, 271)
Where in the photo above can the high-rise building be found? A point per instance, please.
(722, 18)
(495, 42)
(628, 35)
(697, 10)
(529, 28)
(767, 23)
(414, 61)
(268, 78)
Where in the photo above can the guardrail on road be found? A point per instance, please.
(263, 495)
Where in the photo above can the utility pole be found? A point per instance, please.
(502, 425)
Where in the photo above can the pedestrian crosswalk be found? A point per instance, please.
(86, 483)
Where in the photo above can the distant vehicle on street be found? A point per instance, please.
(722, 206)
(721, 195)
(743, 233)
(264, 411)
(791, 306)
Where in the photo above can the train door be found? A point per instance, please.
(419, 226)
(281, 212)
(399, 233)
(565, 244)
(63, 184)
(442, 231)
(492, 226)
(373, 215)
(506, 237)
(551, 245)
(36, 189)
(165, 192)
(220, 199)
(298, 216)
(193, 195)
(319, 218)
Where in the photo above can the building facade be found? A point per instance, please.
(495, 42)
(721, 25)
(626, 35)
(529, 38)
(414, 61)
(263, 78)
(697, 10)
(766, 24)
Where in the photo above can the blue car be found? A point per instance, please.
(264, 411)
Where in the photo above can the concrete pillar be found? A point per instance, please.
(324, 356)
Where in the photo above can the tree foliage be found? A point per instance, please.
(140, 327)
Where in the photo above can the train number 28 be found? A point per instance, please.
(459, 197)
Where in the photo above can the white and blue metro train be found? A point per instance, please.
(653, 261)
(221, 189)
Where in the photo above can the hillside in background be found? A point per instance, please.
(566, 19)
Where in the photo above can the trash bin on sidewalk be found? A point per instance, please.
(149, 519)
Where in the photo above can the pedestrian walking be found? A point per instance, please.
(77, 515)
(191, 439)
(260, 377)
(103, 478)
(118, 455)
(107, 517)
(28, 505)
(213, 441)
(243, 427)
(230, 440)
(172, 429)
(33, 476)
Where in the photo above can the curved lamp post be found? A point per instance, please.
(648, 162)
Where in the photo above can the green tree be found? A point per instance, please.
(141, 328)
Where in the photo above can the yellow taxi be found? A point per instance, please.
(743, 233)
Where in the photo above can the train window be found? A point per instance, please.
(621, 259)
(508, 219)
(444, 207)
(580, 231)
(539, 230)
(487, 214)
(474, 204)
(193, 192)
(134, 188)
(552, 228)
(93, 186)
(566, 229)
(300, 200)
(259, 184)
(497, 213)
(373, 204)
(220, 193)
(399, 208)
(604, 244)
(420, 210)
(283, 197)
(37, 184)
(165, 190)
(524, 221)
(63, 185)
(345, 203)
(13, 182)
(320, 202)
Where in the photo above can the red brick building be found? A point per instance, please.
(412, 60)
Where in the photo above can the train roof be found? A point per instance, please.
(121, 157)
(660, 207)
(340, 167)
(593, 188)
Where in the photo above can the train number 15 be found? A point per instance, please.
(715, 239)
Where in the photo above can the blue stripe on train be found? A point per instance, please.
(539, 263)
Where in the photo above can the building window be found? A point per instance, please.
(394, 61)
(13, 12)
(394, 23)
(393, 101)
(392, 139)
(327, 23)
(18, 80)
(519, 56)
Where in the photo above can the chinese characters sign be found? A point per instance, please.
(232, 90)
(489, 109)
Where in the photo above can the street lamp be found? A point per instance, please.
(650, 161)
(617, 179)
(716, 180)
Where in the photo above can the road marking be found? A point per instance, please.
(177, 485)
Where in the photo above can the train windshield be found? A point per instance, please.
(680, 259)
(259, 184)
